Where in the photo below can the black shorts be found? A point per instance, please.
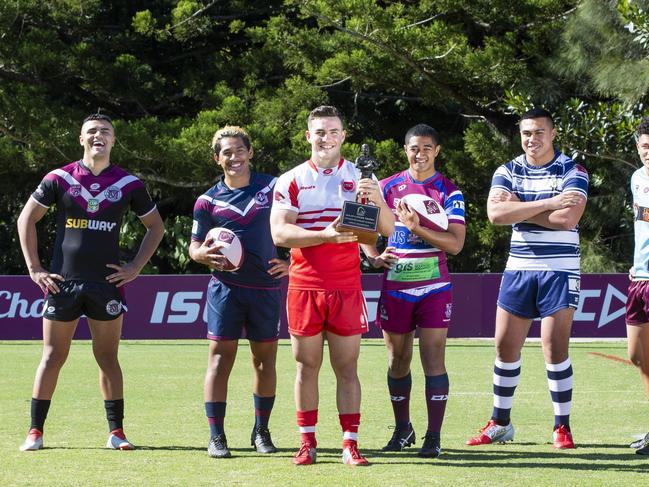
(97, 300)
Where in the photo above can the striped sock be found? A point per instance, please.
(306, 421)
(215, 412)
(507, 375)
(349, 424)
(263, 408)
(560, 385)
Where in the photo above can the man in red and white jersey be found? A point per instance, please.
(324, 294)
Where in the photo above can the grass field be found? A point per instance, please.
(165, 419)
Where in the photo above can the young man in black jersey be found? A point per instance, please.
(85, 276)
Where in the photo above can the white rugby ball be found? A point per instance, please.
(431, 213)
(228, 244)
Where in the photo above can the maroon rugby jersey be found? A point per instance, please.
(89, 216)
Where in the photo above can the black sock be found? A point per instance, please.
(40, 407)
(114, 413)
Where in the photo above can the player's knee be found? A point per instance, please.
(53, 359)
(399, 365)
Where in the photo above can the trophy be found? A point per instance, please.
(361, 217)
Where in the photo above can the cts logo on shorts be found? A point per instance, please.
(113, 194)
(74, 190)
(50, 309)
(448, 311)
(93, 205)
(113, 307)
(348, 186)
(84, 224)
(261, 198)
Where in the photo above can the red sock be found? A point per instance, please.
(349, 423)
(306, 421)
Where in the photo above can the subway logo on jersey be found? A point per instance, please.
(85, 224)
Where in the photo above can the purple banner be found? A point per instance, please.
(173, 307)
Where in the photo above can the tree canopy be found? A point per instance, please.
(171, 72)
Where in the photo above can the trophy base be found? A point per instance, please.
(363, 236)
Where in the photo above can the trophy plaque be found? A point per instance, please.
(361, 217)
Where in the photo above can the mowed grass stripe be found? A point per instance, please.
(165, 418)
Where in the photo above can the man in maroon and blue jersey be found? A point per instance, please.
(85, 276)
(246, 298)
(418, 296)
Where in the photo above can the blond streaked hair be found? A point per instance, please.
(230, 131)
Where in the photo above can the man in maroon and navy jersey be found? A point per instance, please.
(85, 276)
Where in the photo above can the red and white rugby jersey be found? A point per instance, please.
(317, 195)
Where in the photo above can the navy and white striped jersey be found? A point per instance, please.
(533, 247)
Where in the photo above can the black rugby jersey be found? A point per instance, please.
(89, 216)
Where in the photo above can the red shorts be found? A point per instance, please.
(402, 313)
(311, 312)
(637, 303)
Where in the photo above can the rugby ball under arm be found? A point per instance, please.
(228, 244)
(431, 213)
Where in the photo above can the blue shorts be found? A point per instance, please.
(232, 309)
(100, 301)
(537, 294)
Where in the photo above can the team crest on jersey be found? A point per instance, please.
(74, 190)
(113, 307)
(431, 207)
(448, 311)
(348, 186)
(93, 205)
(113, 193)
(94, 186)
(261, 198)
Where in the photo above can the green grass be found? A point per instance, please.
(165, 418)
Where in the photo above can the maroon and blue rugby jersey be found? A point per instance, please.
(89, 216)
(245, 211)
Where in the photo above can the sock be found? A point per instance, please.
(306, 421)
(215, 412)
(263, 408)
(507, 375)
(560, 385)
(114, 413)
(349, 424)
(436, 397)
(400, 397)
(39, 410)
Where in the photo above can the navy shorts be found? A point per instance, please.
(232, 309)
(100, 301)
(537, 294)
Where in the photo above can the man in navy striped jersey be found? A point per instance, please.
(542, 194)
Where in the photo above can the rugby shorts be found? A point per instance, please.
(637, 303)
(231, 310)
(100, 301)
(313, 311)
(537, 294)
(401, 312)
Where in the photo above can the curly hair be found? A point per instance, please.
(230, 131)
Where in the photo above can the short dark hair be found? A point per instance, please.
(97, 116)
(230, 131)
(422, 130)
(643, 128)
(324, 111)
(537, 113)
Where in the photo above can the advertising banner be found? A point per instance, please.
(173, 306)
